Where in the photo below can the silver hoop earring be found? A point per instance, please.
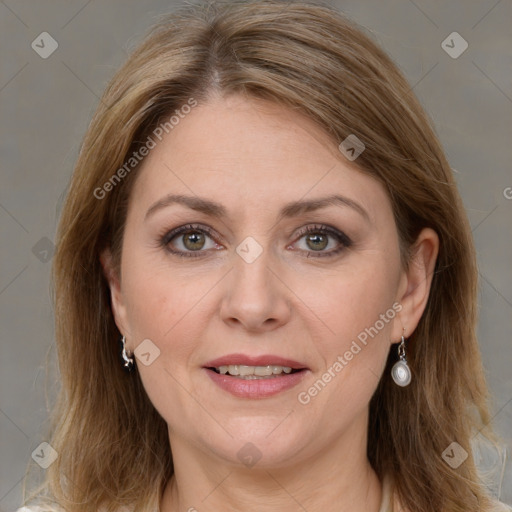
(128, 363)
(401, 372)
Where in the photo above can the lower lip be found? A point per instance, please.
(256, 388)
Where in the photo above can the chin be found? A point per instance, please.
(262, 443)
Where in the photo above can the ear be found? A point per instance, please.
(118, 306)
(414, 287)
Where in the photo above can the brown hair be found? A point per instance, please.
(113, 445)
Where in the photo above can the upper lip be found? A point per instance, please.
(264, 360)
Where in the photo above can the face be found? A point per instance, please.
(258, 279)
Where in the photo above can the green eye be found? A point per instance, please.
(317, 242)
(192, 240)
(317, 239)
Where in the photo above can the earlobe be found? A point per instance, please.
(417, 282)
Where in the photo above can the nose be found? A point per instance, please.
(255, 299)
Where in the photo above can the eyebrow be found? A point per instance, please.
(293, 209)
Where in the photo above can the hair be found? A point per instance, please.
(112, 444)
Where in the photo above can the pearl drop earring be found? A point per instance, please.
(401, 372)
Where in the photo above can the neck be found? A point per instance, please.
(340, 479)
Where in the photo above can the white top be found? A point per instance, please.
(386, 504)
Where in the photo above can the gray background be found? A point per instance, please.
(46, 105)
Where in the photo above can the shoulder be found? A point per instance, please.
(57, 508)
(35, 508)
(38, 508)
(390, 502)
(498, 506)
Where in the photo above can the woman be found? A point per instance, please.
(264, 218)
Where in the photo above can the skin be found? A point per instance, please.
(253, 157)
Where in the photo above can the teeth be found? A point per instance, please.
(259, 371)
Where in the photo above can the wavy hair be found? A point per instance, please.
(113, 448)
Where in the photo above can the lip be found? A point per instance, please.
(257, 388)
(263, 360)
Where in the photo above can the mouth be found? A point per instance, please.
(255, 377)
(247, 372)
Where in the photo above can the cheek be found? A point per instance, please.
(153, 295)
(163, 307)
(165, 304)
(357, 307)
(352, 301)
(150, 306)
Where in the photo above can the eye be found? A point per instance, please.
(192, 240)
(319, 237)
(189, 239)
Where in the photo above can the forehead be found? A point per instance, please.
(246, 152)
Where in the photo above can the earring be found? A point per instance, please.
(401, 372)
(128, 362)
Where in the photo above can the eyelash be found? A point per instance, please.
(343, 239)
